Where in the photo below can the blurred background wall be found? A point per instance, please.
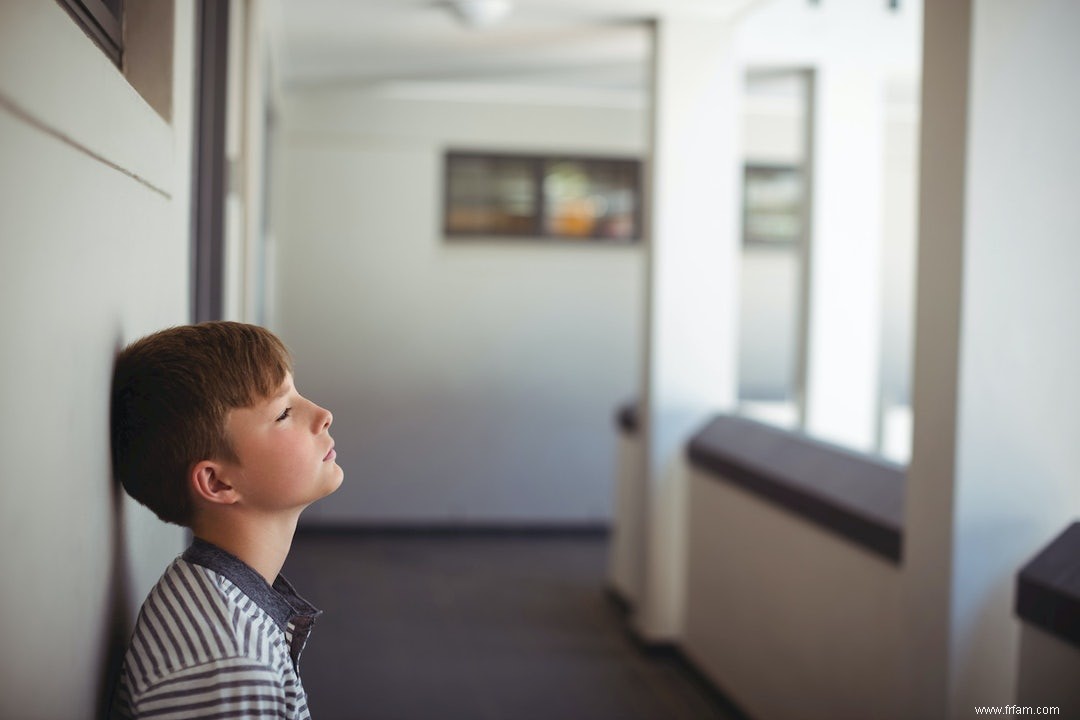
(472, 380)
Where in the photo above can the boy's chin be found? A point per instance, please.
(339, 477)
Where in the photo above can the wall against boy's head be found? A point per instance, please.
(471, 381)
(94, 190)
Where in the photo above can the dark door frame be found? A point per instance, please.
(208, 196)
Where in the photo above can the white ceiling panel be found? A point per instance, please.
(579, 43)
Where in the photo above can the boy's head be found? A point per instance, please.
(171, 396)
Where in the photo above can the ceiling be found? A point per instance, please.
(601, 44)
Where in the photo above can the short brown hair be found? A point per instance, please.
(171, 394)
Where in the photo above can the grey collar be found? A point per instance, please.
(279, 601)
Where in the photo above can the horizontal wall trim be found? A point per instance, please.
(1048, 587)
(858, 497)
(20, 113)
(508, 529)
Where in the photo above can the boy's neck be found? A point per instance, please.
(262, 544)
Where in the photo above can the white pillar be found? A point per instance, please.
(935, 375)
(844, 336)
(993, 472)
(691, 317)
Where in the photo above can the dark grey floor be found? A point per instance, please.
(476, 627)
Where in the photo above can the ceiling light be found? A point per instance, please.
(480, 13)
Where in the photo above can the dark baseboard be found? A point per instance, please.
(718, 696)
(619, 601)
(509, 529)
(672, 655)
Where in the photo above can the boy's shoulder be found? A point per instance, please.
(209, 606)
(194, 616)
(213, 621)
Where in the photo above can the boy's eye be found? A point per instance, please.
(284, 415)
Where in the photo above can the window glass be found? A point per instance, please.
(565, 198)
(900, 214)
(491, 195)
(590, 199)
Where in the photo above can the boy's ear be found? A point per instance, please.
(209, 482)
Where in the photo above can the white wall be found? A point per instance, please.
(470, 381)
(789, 620)
(94, 245)
(1015, 479)
(993, 472)
(624, 572)
(1049, 667)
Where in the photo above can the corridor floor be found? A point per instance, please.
(476, 627)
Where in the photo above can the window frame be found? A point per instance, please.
(537, 164)
(103, 22)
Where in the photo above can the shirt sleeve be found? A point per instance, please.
(231, 687)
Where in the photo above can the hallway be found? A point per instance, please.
(476, 627)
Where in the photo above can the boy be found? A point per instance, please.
(209, 432)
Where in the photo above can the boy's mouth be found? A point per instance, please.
(331, 454)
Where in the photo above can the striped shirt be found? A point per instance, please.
(214, 640)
